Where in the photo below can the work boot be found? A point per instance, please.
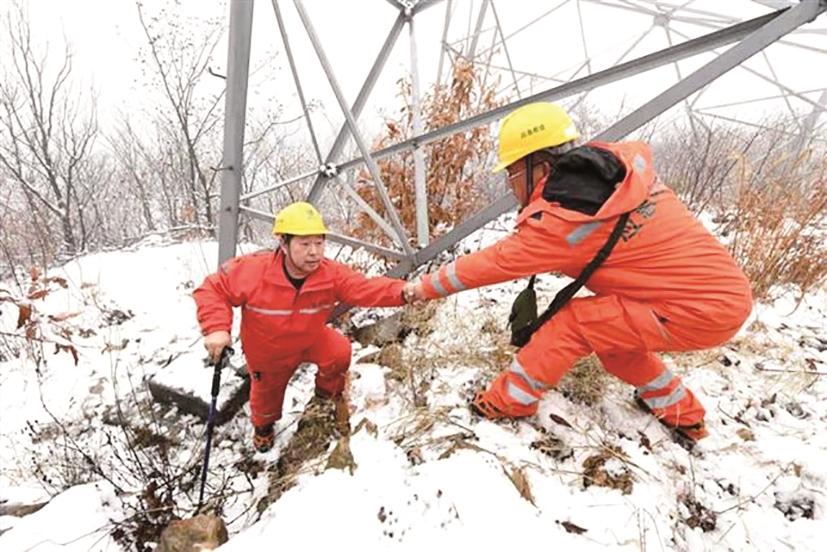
(264, 437)
(481, 406)
(685, 435)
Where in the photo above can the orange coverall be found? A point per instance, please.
(282, 326)
(668, 285)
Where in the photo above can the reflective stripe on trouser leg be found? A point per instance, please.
(512, 396)
(517, 369)
(673, 403)
(657, 383)
(665, 401)
(519, 395)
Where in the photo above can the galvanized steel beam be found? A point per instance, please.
(235, 107)
(373, 169)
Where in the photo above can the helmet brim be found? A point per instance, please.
(499, 167)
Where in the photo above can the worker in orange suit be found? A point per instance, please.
(286, 297)
(667, 285)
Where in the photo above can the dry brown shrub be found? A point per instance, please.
(778, 225)
(454, 178)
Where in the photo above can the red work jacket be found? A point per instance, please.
(276, 318)
(665, 255)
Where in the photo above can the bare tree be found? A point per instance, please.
(179, 57)
(138, 170)
(46, 133)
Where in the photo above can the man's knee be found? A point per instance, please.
(333, 351)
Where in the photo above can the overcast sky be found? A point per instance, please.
(106, 38)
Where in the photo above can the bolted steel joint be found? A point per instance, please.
(328, 170)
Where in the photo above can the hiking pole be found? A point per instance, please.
(223, 360)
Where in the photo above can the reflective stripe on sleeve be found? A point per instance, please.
(451, 273)
(438, 287)
(582, 232)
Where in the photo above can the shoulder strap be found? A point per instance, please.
(564, 295)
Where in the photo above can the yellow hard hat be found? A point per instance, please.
(530, 128)
(299, 219)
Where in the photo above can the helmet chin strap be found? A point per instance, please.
(529, 178)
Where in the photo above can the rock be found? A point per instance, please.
(186, 383)
(385, 331)
(19, 510)
(202, 532)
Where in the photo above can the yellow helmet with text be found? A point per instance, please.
(299, 219)
(531, 128)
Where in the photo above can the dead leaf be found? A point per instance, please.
(24, 315)
(63, 316)
(69, 349)
(644, 441)
(552, 446)
(415, 456)
(745, 434)
(115, 347)
(560, 420)
(518, 478)
(368, 426)
(341, 458)
(57, 280)
(572, 528)
(34, 272)
(595, 472)
(39, 294)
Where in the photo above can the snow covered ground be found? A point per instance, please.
(428, 473)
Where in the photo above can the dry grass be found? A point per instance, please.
(414, 368)
(322, 422)
(771, 196)
(778, 225)
(420, 319)
(586, 382)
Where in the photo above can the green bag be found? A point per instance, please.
(523, 315)
(524, 320)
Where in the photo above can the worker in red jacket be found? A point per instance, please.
(286, 297)
(667, 285)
